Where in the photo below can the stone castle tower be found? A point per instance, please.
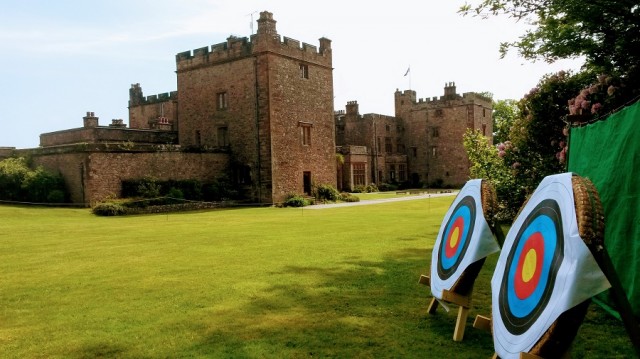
(421, 145)
(267, 101)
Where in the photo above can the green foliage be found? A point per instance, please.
(109, 209)
(191, 189)
(505, 112)
(148, 188)
(220, 190)
(348, 197)
(18, 182)
(326, 192)
(537, 140)
(384, 187)
(294, 200)
(486, 164)
(365, 189)
(175, 195)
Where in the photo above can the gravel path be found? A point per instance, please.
(384, 200)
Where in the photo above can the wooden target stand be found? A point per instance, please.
(591, 229)
(449, 297)
(460, 294)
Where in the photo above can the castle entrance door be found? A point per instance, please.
(306, 180)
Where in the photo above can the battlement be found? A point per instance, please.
(266, 39)
(173, 95)
(136, 98)
(449, 95)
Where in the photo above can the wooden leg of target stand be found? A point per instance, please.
(464, 303)
(461, 323)
(433, 305)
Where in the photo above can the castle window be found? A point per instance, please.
(198, 138)
(439, 112)
(435, 131)
(358, 174)
(223, 136)
(484, 129)
(400, 146)
(304, 71)
(414, 151)
(484, 112)
(402, 173)
(434, 151)
(221, 100)
(305, 133)
(392, 172)
(387, 128)
(387, 145)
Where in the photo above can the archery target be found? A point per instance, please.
(531, 267)
(464, 238)
(544, 269)
(456, 237)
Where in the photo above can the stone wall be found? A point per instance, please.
(92, 176)
(107, 135)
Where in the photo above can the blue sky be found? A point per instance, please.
(60, 59)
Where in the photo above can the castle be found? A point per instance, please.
(260, 111)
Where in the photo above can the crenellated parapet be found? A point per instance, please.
(136, 98)
(234, 48)
(265, 40)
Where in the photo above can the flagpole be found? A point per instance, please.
(408, 73)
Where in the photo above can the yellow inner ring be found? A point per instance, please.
(455, 236)
(529, 266)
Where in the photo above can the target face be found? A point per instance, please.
(456, 237)
(531, 267)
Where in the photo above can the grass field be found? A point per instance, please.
(241, 283)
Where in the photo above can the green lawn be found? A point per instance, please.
(245, 283)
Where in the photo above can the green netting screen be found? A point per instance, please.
(608, 153)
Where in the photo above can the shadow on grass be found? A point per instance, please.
(369, 309)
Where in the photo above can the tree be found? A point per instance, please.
(504, 114)
(605, 32)
(488, 165)
(20, 183)
(537, 138)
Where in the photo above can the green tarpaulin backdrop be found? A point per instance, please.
(608, 153)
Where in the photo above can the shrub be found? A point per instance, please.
(348, 197)
(359, 189)
(18, 182)
(294, 200)
(109, 209)
(56, 196)
(326, 192)
(384, 187)
(175, 195)
(371, 188)
(149, 188)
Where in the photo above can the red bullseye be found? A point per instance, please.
(454, 239)
(529, 267)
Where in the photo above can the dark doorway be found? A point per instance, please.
(415, 180)
(306, 180)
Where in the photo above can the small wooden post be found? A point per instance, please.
(462, 301)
